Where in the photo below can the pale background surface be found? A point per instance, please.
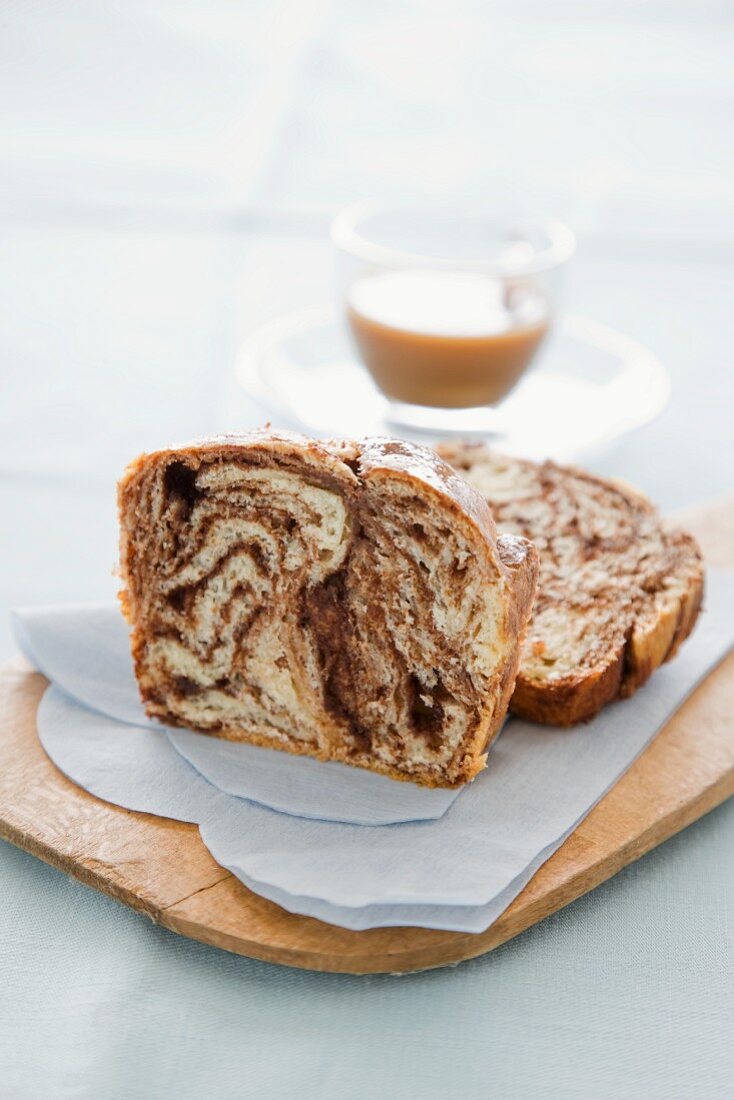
(167, 175)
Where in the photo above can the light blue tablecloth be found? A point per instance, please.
(625, 993)
(167, 172)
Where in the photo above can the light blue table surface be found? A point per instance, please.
(167, 176)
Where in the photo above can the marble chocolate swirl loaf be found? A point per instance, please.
(347, 601)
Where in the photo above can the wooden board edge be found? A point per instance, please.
(87, 874)
(457, 947)
(92, 873)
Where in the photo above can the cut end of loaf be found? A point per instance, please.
(346, 601)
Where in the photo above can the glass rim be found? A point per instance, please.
(346, 236)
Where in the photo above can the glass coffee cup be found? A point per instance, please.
(447, 308)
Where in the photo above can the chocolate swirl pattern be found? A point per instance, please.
(347, 601)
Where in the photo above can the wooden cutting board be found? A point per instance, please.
(161, 868)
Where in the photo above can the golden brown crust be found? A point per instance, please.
(358, 473)
(571, 700)
(419, 464)
(662, 568)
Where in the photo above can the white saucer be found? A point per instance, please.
(590, 386)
